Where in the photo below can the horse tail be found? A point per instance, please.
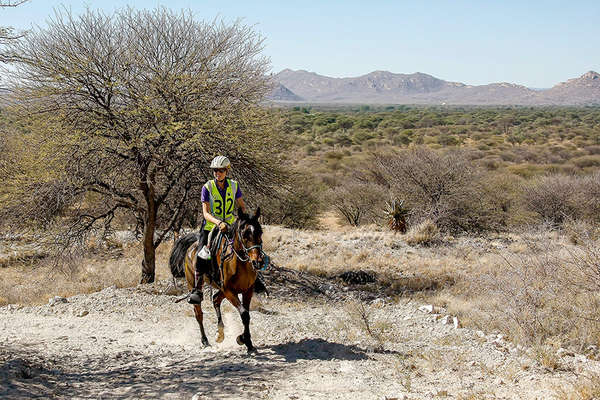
(178, 252)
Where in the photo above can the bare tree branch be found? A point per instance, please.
(141, 101)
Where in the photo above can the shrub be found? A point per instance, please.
(425, 234)
(442, 187)
(549, 297)
(590, 197)
(296, 206)
(357, 202)
(587, 161)
(555, 198)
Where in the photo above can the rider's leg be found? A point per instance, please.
(199, 271)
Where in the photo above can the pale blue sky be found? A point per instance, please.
(533, 43)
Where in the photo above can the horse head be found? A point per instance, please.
(249, 236)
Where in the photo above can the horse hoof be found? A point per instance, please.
(205, 343)
(252, 350)
(240, 340)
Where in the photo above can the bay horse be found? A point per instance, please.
(233, 271)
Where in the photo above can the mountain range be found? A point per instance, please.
(383, 87)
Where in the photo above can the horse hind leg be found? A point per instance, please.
(199, 318)
(217, 299)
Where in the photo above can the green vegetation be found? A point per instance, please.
(488, 161)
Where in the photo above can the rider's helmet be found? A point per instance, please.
(220, 162)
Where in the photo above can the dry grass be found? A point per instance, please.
(585, 388)
(23, 257)
(425, 234)
(36, 282)
(536, 286)
(367, 248)
(541, 290)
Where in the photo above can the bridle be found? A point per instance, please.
(245, 252)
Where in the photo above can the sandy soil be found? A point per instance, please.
(312, 341)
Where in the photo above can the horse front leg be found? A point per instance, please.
(217, 299)
(245, 337)
(199, 318)
(244, 314)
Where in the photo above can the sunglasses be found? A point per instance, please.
(220, 169)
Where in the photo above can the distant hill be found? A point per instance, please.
(419, 88)
(281, 93)
(582, 90)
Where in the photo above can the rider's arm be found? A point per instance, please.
(208, 216)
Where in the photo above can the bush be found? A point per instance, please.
(358, 202)
(555, 198)
(296, 206)
(425, 234)
(548, 297)
(587, 161)
(442, 187)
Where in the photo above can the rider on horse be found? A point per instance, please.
(220, 197)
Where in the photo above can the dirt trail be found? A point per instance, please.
(137, 343)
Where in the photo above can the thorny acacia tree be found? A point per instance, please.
(7, 33)
(140, 101)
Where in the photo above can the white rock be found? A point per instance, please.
(378, 301)
(455, 322)
(447, 320)
(56, 300)
(83, 313)
(481, 334)
(427, 309)
(564, 353)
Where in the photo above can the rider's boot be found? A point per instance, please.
(196, 294)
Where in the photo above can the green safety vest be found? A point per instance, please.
(219, 207)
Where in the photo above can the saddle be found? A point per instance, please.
(210, 267)
(213, 245)
(213, 270)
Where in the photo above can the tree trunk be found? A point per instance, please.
(149, 262)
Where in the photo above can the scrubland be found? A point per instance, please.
(502, 208)
(536, 288)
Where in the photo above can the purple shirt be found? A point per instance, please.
(205, 196)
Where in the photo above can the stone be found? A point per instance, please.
(564, 353)
(455, 322)
(83, 313)
(427, 309)
(56, 300)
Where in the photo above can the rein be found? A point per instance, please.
(245, 257)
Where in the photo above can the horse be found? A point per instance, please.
(235, 264)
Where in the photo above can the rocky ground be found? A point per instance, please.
(316, 339)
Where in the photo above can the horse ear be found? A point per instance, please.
(241, 214)
(257, 214)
